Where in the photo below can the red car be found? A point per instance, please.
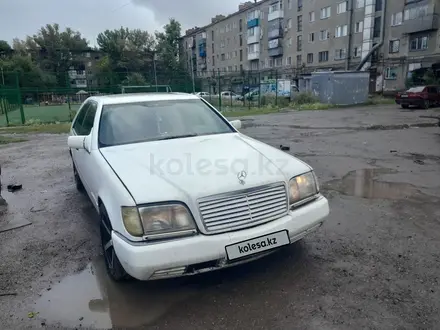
(422, 96)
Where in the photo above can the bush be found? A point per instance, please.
(272, 100)
(305, 98)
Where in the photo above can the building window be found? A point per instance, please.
(253, 48)
(254, 65)
(360, 4)
(390, 73)
(289, 4)
(213, 60)
(279, 61)
(312, 37)
(298, 60)
(340, 54)
(323, 56)
(394, 46)
(212, 35)
(324, 35)
(289, 42)
(419, 43)
(378, 6)
(396, 19)
(312, 16)
(251, 32)
(212, 48)
(240, 25)
(310, 58)
(223, 57)
(376, 29)
(416, 12)
(299, 43)
(359, 27)
(274, 7)
(88, 54)
(300, 23)
(326, 12)
(357, 52)
(289, 60)
(289, 23)
(341, 31)
(300, 5)
(241, 55)
(342, 7)
(241, 40)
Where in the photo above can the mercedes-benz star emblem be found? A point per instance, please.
(241, 176)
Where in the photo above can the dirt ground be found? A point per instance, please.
(373, 265)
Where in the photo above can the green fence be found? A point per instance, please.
(228, 91)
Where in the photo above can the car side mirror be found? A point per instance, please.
(79, 142)
(236, 124)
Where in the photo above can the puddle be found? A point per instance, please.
(366, 183)
(91, 299)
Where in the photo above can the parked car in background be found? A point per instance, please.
(231, 95)
(203, 94)
(421, 96)
(163, 215)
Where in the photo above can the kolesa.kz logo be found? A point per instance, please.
(256, 246)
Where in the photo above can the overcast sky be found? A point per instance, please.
(19, 18)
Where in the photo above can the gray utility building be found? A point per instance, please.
(389, 38)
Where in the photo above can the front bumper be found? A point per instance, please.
(416, 102)
(201, 253)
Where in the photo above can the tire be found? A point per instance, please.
(405, 106)
(426, 105)
(78, 182)
(112, 264)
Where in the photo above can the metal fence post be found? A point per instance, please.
(219, 91)
(20, 103)
(276, 87)
(259, 89)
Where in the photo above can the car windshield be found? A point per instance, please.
(416, 90)
(158, 120)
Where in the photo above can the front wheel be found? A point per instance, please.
(405, 106)
(112, 263)
(426, 104)
(78, 182)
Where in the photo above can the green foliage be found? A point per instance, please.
(306, 98)
(134, 79)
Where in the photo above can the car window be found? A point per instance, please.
(87, 124)
(77, 125)
(158, 120)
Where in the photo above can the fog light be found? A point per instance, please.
(170, 272)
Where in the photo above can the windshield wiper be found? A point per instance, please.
(177, 137)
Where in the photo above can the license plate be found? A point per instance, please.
(258, 244)
(403, 95)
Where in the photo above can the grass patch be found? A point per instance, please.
(243, 112)
(7, 140)
(57, 128)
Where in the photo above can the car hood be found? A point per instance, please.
(190, 168)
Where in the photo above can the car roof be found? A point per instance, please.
(141, 97)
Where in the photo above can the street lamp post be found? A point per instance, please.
(155, 72)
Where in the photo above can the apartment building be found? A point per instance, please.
(83, 73)
(390, 38)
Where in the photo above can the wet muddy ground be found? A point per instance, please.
(373, 265)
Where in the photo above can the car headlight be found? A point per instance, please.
(302, 187)
(159, 221)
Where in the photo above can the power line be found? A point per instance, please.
(121, 6)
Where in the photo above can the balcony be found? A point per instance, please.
(253, 23)
(277, 14)
(255, 37)
(421, 24)
(253, 56)
(278, 51)
(275, 33)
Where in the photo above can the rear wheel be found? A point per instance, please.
(405, 106)
(112, 263)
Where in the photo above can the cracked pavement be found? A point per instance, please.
(373, 265)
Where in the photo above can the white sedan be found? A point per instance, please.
(180, 190)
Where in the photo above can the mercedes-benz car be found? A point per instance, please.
(179, 190)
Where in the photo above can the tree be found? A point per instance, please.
(54, 50)
(5, 49)
(168, 48)
(127, 50)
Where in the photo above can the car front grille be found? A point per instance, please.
(246, 208)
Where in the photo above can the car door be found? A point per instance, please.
(76, 130)
(84, 162)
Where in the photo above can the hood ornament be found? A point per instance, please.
(241, 176)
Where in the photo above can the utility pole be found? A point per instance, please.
(3, 77)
